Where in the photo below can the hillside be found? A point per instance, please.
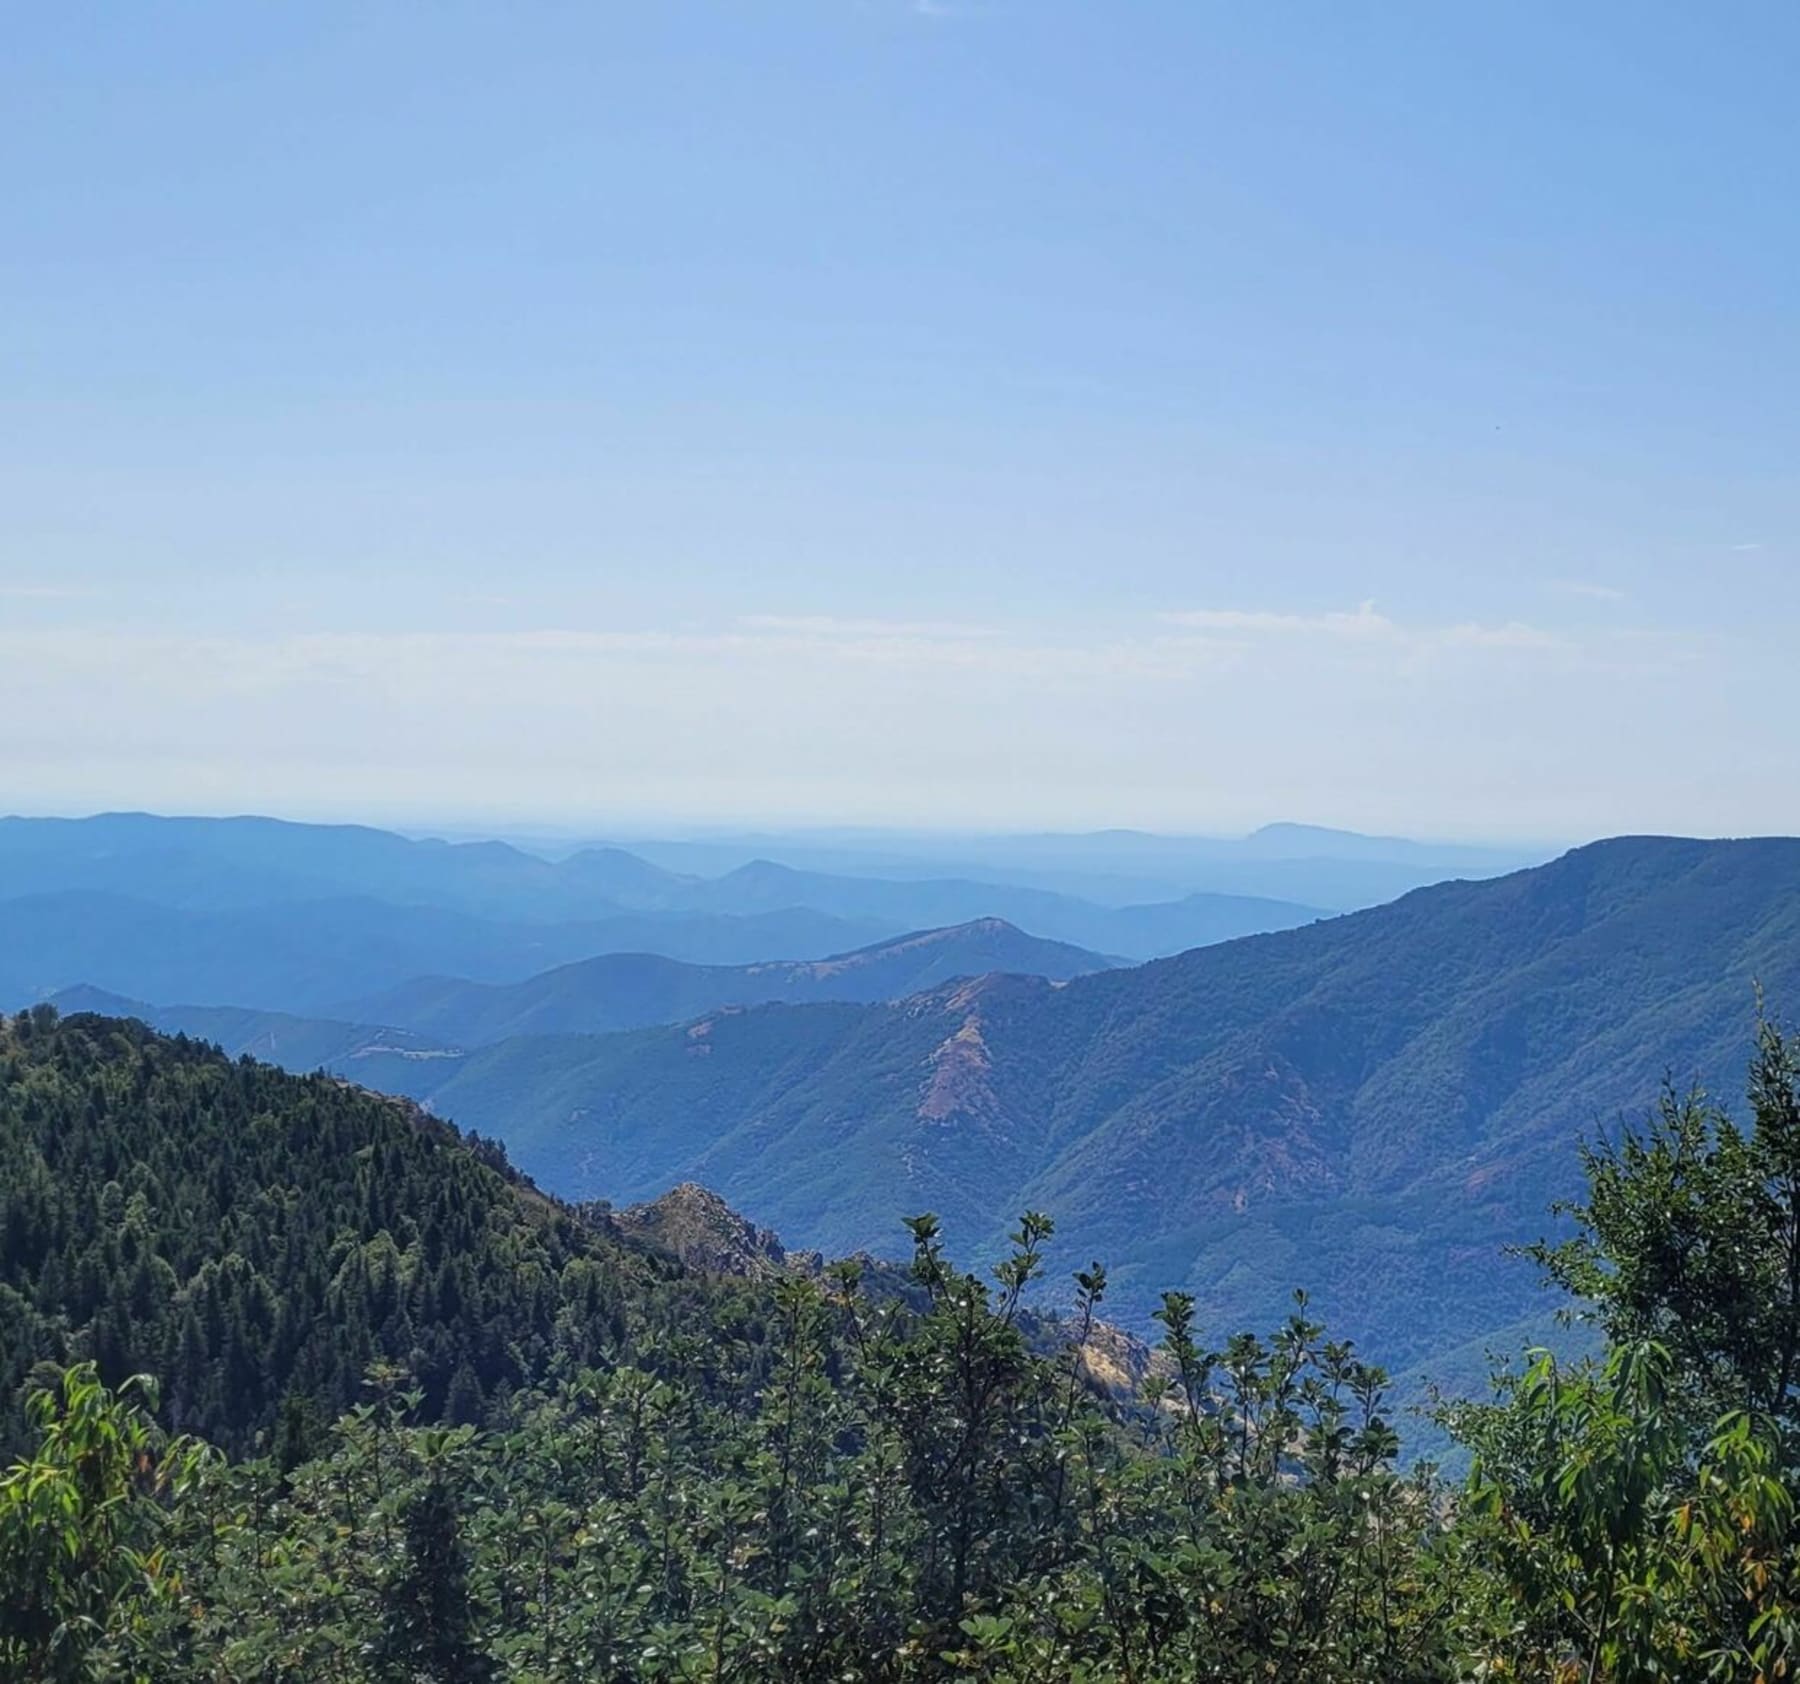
(1372, 1105)
(258, 1239)
(299, 1044)
(739, 1470)
(438, 1018)
(708, 1457)
(303, 956)
(633, 990)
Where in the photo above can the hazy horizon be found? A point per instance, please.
(624, 829)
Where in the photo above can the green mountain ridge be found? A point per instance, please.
(295, 1043)
(257, 1239)
(1373, 1106)
(441, 1017)
(634, 990)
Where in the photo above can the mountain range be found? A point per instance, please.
(1339, 870)
(1373, 1105)
(633, 990)
(304, 956)
(257, 911)
(438, 1016)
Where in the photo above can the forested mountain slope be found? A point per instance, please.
(634, 990)
(299, 1044)
(664, 1475)
(258, 1239)
(440, 1017)
(1373, 1105)
(769, 1471)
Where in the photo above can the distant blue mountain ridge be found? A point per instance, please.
(295, 917)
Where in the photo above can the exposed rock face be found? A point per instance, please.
(693, 1223)
(1115, 1361)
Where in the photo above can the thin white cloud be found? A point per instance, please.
(1744, 549)
(1361, 622)
(1513, 634)
(1363, 625)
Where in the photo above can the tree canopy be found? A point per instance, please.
(599, 1465)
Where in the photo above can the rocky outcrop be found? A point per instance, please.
(693, 1223)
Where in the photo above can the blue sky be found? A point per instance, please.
(975, 412)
